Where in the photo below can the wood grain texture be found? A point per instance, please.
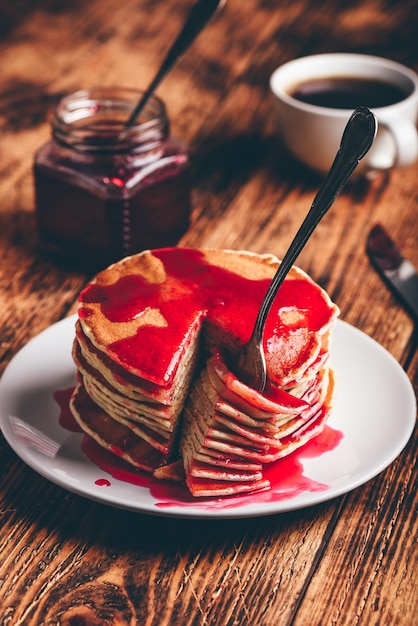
(67, 561)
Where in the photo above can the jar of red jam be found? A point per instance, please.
(103, 190)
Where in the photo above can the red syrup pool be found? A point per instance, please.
(286, 476)
(66, 418)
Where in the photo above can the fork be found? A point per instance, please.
(249, 365)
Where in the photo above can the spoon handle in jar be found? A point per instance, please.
(198, 17)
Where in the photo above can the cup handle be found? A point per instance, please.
(395, 145)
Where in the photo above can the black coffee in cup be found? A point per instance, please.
(346, 92)
(337, 83)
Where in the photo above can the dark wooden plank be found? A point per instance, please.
(66, 560)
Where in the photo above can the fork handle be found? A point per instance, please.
(356, 141)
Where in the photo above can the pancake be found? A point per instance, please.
(226, 423)
(154, 337)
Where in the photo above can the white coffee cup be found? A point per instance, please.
(313, 133)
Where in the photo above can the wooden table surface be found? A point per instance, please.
(67, 560)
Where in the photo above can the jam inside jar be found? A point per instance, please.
(104, 191)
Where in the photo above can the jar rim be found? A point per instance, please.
(95, 119)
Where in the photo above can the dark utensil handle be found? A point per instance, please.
(199, 15)
(356, 140)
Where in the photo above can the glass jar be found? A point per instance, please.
(104, 191)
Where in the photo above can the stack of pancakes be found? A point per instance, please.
(153, 334)
(230, 432)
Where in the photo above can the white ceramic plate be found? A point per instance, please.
(374, 412)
